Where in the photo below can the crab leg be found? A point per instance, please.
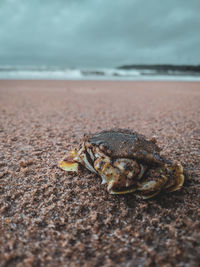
(149, 189)
(130, 190)
(171, 179)
(177, 179)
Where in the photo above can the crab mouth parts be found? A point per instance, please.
(85, 158)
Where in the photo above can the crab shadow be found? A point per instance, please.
(161, 201)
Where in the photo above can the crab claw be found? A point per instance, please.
(68, 163)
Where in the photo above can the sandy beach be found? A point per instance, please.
(50, 218)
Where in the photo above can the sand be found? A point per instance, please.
(50, 218)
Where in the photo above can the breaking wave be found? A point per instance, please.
(54, 73)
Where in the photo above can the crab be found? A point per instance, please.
(127, 162)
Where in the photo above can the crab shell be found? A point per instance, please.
(126, 162)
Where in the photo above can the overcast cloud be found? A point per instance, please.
(99, 33)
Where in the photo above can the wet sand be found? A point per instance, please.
(50, 218)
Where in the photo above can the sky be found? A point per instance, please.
(99, 33)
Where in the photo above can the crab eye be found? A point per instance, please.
(103, 146)
(158, 157)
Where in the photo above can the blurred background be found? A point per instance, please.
(99, 39)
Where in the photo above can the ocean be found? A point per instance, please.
(56, 73)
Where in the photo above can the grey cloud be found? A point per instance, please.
(99, 33)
